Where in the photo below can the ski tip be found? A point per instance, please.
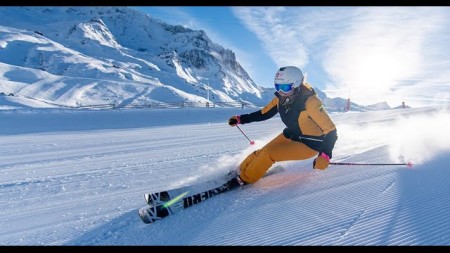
(409, 164)
(145, 217)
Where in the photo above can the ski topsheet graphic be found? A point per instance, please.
(165, 203)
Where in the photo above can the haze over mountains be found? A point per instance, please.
(82, 56)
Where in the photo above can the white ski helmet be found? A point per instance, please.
(288, 75)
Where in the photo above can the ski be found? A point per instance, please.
(152, 213)
(163, 204)
(159, 198)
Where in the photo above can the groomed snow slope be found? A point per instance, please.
(78, 178)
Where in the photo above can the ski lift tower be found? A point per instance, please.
(347, 106)
(207, 94)
(207, 91)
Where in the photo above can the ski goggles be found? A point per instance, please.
(284, 87)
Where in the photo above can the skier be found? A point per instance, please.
(309, 129)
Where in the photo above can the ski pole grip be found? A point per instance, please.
(238, 119)
(325, 156)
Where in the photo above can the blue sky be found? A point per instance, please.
(371, 54)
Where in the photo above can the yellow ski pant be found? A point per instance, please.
(279, 149)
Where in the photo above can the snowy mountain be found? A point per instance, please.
(83, 56)
(96, 55)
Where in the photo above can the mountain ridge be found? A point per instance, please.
(78, 56)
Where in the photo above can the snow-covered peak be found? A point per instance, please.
(119, 55)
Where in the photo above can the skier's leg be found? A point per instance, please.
(293, 150)
(277, 150)
(258, 162)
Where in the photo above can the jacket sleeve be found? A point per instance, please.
(316, 112)
(265, 113)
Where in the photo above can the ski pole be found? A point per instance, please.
(251, 142)
(409, 164)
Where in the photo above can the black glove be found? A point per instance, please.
(234, 120)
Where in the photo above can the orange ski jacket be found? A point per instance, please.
(305, 118)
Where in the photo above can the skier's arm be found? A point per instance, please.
(316, 112)
(265, 113)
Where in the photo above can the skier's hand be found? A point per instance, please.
(234, 120)
(321, 162)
